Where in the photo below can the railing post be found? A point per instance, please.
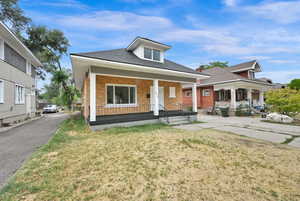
(194, 96)
(92, 97)
(155, 98)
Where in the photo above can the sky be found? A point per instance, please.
(199, 31)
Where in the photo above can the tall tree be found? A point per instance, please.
(215, 64)
(12, 15)
(294, 84)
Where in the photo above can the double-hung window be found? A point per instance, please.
(120, 94)
(206, 92)
(152, 54)
(19, 94)
(1, 91)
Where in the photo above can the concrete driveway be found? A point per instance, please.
(17, 144)
(251, 127)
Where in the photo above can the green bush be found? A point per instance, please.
(243, 110)
(284, 101)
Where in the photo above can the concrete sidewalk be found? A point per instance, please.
(250, 127)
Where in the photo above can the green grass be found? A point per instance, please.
(155, 162)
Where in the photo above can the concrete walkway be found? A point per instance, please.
(251, 127)
(17, 144)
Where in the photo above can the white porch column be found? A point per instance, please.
(92, 97)
(261, 98)
(233, 99)
(249, 96)
(155, 98)
(194, 97)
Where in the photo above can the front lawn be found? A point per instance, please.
(156, 162)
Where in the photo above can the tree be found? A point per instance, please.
(12, 15)
(294, 84)
(284, 101)
(214, 64)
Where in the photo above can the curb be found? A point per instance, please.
(4, 129)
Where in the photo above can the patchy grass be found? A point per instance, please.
(156, 162)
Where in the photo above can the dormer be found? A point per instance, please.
(247, 69)
(148, 49)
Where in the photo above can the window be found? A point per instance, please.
(223, 95)
(147, 53)
(120, 94)
(172, 93)
(188, 93)
(251, 75)
(151, 54)
(1, 91)
(14, 58)
(206, 92)
(20, 94)
(241, 94)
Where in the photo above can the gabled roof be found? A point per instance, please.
(127, 57)
(139, 40)
(223, 75)
(249, 65)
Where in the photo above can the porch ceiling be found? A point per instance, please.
(244, 85)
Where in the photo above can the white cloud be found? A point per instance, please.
(282, 61)
(284, 12)
(282, 76)
(230, 3)
(65, 3)
(257, 57)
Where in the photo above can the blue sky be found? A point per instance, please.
(199, 31)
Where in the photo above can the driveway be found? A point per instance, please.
(251, 127)
(17, 144)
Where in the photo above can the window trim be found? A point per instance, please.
(170, 94)
(28, 67)
(2, 88)
(152, 54)
(109, 105)
(23, 95)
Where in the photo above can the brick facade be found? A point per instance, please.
(143, 95)
(202, 101)
(243, 74)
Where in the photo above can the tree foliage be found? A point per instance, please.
(284, 101)
(12, 14)
(215, 64)
(294, 84)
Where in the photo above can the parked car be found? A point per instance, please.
(50, 109)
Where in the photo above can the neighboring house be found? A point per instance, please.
(17, 78)
(230, 87)
(133, 83)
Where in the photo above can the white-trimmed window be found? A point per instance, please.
(121, 94)
(28, 67)
(19, 94)
(172, 92)
(206, 92)
(1, 91)
(152, 54)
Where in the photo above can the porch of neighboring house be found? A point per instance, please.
(236, 95)
(113, 99)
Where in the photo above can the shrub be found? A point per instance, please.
(284, 101)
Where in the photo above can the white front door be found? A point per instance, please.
(28, 104)
(161, 100)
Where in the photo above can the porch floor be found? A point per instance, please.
(121, 118)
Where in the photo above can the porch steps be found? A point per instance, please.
(177, 120)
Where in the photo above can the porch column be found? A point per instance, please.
(194, 96)
(155, 98)
(92, 97)
(261, 98)
(233, 98)
(249, 96)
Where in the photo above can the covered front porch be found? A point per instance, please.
(237, 94)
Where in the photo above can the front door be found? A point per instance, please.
(161, 100)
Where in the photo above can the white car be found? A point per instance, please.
(50, 108)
